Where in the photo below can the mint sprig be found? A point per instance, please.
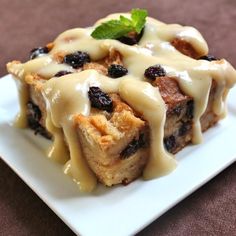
(139, 19)
(114, 29)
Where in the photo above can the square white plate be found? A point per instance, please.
(118, 210)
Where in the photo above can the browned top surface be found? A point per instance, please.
(170, 91)
(26, 24)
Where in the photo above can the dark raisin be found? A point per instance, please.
(208, 58)
(116, 71)
(190, 109)
(34, 111)
(133, 146)
(42, 131)
(155, 71)
(77, 59)
(61, 73)
(125, 182)
(34, 116)
(99, 99)
(38, 129)
(177, 110)
(32, 123)
(185, 127)
(132, 38)
(170, 143)
(38, 51)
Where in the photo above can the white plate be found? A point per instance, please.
(118, 210)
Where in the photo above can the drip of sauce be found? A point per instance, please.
(67, 95)
(58, 150)
(64, 98)
(21, 118)
(147, 100)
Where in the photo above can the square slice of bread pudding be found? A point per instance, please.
(120, 98)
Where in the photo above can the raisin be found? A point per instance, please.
(177, 110)
(170, 143)
(33, 124)
(125, 182)
(116, 71)
(190, 109)
(34, 116)
(185, 127)
(154, 71)
(132, 38)
(34, 111)
(132, 147)
(61, 73)
(77, 59)
(38, 51)
(38, 129)
(208, 58)
(99, 99)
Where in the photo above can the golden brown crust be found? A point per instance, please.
(104, 137)
(100, 68)
(122, 171)
(114, 57)
(35, 81)
(50, 46)
(59, 56)
(170, 91)
(185, 47)
(117, 129)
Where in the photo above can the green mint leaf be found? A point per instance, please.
(138, 17)
(126, 21)
(112, 29)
